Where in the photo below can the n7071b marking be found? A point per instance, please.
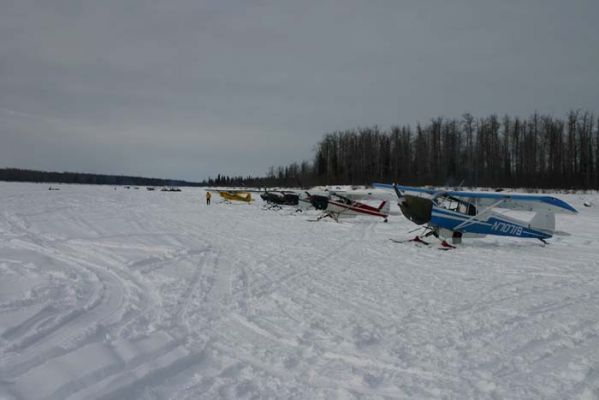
(507, 228)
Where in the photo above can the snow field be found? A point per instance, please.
(115, 294)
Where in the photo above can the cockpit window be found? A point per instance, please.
(453, 204)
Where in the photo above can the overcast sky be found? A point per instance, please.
(189, 88)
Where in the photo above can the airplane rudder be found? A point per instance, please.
(543, 220)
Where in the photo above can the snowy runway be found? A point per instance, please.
(133, 294)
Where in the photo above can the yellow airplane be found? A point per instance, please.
(236, 196)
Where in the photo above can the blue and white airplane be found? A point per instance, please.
(457, 214)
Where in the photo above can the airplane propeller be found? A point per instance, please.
(415, 208)
(400, 196)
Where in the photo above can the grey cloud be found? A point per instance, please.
(189, 89)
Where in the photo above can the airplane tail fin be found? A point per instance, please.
(543, 221)
(384, 207)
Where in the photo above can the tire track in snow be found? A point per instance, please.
(69, 329)
(306, 268)
(116, 377)
(241, 337)
(104, 310)
(60, 341)
(115, 365)
(200, 286)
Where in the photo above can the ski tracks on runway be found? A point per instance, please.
(153, 296)
(107, 338)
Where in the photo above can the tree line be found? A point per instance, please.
(27, 175)
(540, 151)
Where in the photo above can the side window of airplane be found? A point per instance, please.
(451, 204)
(467, 208)
(442, 202)
(448, 204)
(471, 209)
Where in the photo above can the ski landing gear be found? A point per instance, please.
(325, 214)
(419, 239)
(446, 246)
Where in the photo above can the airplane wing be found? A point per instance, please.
(364, 194)
(414, 189)
(518, 202)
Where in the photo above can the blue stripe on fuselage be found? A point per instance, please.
(493, 226)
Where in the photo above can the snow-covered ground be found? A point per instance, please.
(134, 294)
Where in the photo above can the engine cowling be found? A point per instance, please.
(416, 209)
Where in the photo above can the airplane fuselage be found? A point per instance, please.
(488, 224)
(353, 209)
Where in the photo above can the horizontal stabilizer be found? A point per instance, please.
(543, 221)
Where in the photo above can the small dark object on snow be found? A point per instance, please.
(319, 202)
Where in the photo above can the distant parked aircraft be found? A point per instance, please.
(234, 195)
(336, 205)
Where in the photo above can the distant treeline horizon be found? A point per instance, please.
(28, 175)
(540, 151)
